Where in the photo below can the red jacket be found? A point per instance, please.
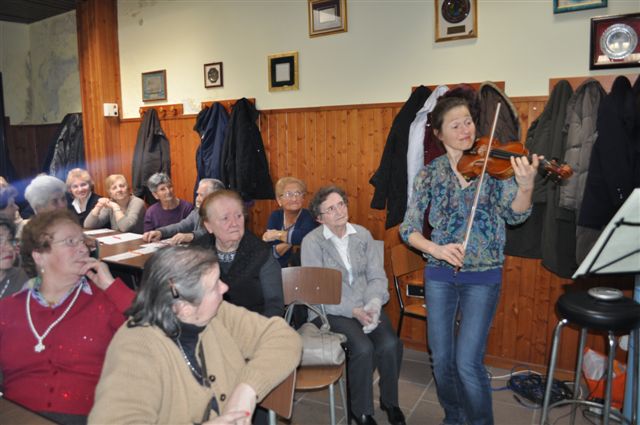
(63, 377)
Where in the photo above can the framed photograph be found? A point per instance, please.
(614, 42)
(283, 71)
(154, 85)
(456, 19)
(562, 6)
(327, 17)
(213, 75)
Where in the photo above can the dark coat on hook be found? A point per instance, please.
(244, 163)
(211, 125)
(151, 155)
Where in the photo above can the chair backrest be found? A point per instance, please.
(280, 399)
(313, 285)
(404, 260)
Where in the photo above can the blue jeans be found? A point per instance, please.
(462, 383)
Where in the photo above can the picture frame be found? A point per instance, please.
(154, 85)
(327, 17)
(283, 71)
(563, 6)
(213, 75)
(456, 19)
(615, 42)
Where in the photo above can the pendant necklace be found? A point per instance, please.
(4, 288)
(193, 369)
(39, 347)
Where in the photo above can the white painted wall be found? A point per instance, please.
(388, 48)
(39, 64)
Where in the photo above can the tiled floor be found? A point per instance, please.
(419, 402)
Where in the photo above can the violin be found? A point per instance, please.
(498, 164)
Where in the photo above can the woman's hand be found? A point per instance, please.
(452, 253)
(102, 203)
(242, 400)
(525, 172)
(231, 418)
(364, 317)
(272, 235)
(181, 238)
(98, 272)
(152, 236)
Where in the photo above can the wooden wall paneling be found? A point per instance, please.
(28, 146)
(98, 57)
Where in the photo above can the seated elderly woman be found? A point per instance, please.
(185, 355)
(246, 263)
(121, 211)
(55, 332)
(190, 227)
(46, 193)
(169, 209)
(290, 224)
(372, 343)
(9, 208)
(83, 198)
(12, 278)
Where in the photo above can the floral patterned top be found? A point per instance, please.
(437, 185)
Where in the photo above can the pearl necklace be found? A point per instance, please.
(4, 288)
(193, 369)
(39, 347)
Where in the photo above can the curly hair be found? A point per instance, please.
(321, 195)
(284, 181)
(37, 235)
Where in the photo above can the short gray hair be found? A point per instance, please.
(42, 189)
(321, 195)
(214, 184)
(171, 274)
(156, 180)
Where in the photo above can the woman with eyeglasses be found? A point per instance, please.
(185, 355)
(12, 278)
(371, 340)
(55, 332)
(288, 225)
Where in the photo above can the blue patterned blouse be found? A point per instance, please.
(437, 185)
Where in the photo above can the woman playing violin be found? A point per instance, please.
(472, 293)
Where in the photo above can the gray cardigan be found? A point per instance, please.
(189, 224)
(133, 220)
(367, 267)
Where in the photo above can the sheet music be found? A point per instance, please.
(619, 240)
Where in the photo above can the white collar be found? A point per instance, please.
(328, 234)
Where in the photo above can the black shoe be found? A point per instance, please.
(394, 414)
(364, 420)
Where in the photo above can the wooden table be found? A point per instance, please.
(120, 248)
(12, 413)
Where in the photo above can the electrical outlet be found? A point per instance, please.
(415, 291)
(110, 109)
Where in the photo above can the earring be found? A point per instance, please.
(42, 270)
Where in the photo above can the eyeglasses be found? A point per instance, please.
(333, 209)
(296, 194)
(8, 241)
(74, 242)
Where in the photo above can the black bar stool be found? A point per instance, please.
(588, 312)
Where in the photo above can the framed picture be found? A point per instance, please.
(327, 17)
(614, 42)
(562, 6)
(283, 71)
(154, 85)
(456, 19)
(213, 75)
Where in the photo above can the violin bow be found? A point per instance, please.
(479, 188)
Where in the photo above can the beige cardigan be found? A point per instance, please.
(145, 379)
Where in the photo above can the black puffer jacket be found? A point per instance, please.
(66, 150)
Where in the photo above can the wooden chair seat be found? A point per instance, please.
(317, 377)
(415, 310)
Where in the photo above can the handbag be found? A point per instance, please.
(320, 346)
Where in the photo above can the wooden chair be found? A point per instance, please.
(316, 285)
(280, 400)
(403, 262)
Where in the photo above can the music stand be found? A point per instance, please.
(617, 251)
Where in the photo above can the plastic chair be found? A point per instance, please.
(316, 285)
(280, 400)
(403, 262)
